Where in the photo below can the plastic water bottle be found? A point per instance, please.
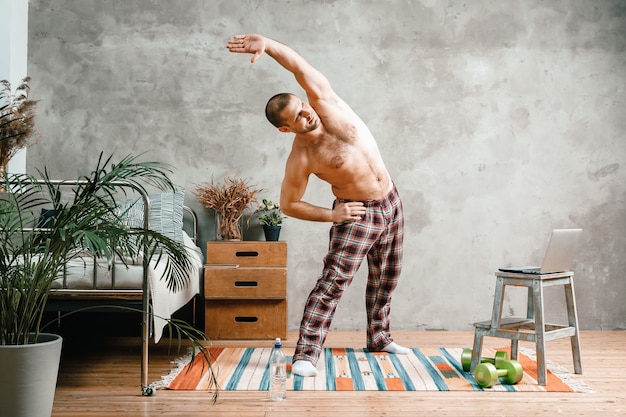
(278, 373)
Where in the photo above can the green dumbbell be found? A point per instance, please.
(486, 374)
(466, 359)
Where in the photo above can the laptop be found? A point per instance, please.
(559, 254)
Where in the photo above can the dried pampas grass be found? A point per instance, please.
(229, 199)
(17, 120)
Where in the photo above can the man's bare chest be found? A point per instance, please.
(335, 150)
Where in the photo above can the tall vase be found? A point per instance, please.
(272, 233)
(227, 227)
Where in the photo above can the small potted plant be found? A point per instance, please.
(271, 218)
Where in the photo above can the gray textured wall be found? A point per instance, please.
(499, 120)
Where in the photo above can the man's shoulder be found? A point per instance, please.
(299, 151)
(329, 104)
(298, 162)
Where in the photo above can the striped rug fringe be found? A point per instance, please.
(561, 372)
(179, 365)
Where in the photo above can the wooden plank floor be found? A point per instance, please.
(101, 379)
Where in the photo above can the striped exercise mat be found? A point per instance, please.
(345, 369)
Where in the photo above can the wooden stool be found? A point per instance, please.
(532, 327)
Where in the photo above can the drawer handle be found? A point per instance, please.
(246, 284)
(246, 319)
(250, 253)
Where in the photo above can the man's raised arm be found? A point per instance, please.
(310, 79)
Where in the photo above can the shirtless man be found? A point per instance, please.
(334, 144)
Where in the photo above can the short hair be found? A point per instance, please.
(275, 106)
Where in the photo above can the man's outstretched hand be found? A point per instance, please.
(247, 44)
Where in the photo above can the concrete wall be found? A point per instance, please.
(499, 120)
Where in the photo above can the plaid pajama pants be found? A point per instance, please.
(377, 236)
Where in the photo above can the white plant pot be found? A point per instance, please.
(29, 377)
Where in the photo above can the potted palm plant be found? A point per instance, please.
(31, 258)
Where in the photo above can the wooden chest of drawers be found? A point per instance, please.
(245, 290)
